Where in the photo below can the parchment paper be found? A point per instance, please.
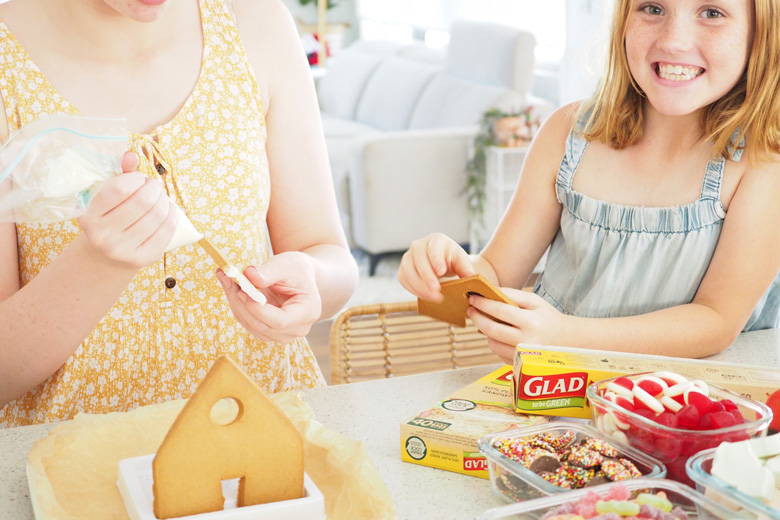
(73, 471)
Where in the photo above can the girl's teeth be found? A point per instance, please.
(678, 72)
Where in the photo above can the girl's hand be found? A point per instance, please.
(130, 220)
(294, 303)
(429, 259)
(534, 321)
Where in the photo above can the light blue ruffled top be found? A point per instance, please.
(611, 260)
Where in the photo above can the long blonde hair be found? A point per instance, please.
(751, 108)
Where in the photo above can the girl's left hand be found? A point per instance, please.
(294, 302)
(534, 321)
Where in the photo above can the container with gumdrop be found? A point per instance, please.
(638, 499)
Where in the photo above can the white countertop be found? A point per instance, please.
(371, 412)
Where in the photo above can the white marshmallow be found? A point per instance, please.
(759, 484)
(773, 465)
(768, 446)
(735, 463)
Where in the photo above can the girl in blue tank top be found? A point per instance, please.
(657, 198)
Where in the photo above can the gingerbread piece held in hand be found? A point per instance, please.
(456, 299)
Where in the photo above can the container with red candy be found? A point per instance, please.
(672, 418)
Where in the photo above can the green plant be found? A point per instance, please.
(331, 3)
(476, 166)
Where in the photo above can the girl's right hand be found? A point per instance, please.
(429, 259)
(130, 220)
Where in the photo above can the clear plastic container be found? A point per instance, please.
(694, 503)
(673, 446)
(744, 506)
(516, 483)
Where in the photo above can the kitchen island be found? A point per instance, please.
(371, 412)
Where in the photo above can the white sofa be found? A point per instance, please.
(399, 121)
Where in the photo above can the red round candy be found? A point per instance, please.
(624, 382)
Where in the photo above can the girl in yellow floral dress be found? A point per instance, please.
(223, 121)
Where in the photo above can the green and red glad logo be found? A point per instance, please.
(504, 379)
(535, 392)
(474, 461)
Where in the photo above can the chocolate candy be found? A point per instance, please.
(583, 456)
(615, 470)
(566, 463)
(602, 447)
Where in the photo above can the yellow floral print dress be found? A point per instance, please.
(163, 334)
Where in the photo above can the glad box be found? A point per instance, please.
(445, 436)
(550, 380)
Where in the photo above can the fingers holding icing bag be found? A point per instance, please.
(130, 220)
(294, 303)
(430, 259)
(130, 162)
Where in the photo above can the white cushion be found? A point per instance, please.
(338, 127)
(339, 90)
(392, 92)
(449, 101)
(424, 54)
(493, 54)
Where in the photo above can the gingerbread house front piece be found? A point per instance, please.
(261, 447)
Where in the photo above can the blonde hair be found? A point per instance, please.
(751, 108)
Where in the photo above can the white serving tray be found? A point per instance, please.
(135, 485)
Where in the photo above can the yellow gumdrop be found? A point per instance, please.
(621, 507)
(657, 501)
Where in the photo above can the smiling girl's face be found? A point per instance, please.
(686, 54)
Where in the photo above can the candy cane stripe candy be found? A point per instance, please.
(657, 380)
(693, 388)
(619, 390)
(622, 437)
(678, 389)
(702, 385)
(671, 404)
(649, 401)
(671, 376)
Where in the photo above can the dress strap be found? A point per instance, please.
(575, 149)
(713, 177)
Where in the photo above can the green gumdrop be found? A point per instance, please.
(621, 507)
(655, 501)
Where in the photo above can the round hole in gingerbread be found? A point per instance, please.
(226, 411)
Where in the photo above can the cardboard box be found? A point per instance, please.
(552, 380)
(445, 436)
